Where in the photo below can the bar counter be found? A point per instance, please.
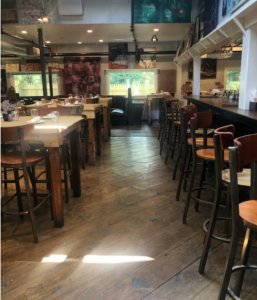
(246, 117)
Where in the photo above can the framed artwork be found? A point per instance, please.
(118, 60)
(9, 13)
(31, 11)
(12, 67)
(197, 29)
(146, 61)
(33, 65)
(208, 69)
(210, 16)
(162, 11)
(82, 75)
(3, 82)
(224, 8)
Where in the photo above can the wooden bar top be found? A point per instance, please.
(244, 116)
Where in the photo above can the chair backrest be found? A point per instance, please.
(190, 110)
(63, 111)
(226, 135)
(12, 134)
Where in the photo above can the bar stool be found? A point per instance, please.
(244, 152)
(223, 138)
(200, 120)
(24, 160)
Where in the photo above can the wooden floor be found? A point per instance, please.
(127, 208)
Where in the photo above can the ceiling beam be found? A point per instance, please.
(240, 26)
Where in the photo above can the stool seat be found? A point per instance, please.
(200, 131)
(244, 178)
(14, 158)
(177, 122)
(248, 213)
(199, 142)
(209, 154)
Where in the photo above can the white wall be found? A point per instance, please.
(207, 84)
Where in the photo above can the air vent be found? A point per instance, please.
(70, 7)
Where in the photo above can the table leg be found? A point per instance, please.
(109, 119)
(149, 112)
(56, 185)
(91, 144)
(106, 129)
(75, 165)
(98, 133)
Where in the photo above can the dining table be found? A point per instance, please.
(106, 104)
(167, 96)
(93, 114)
(52, 135)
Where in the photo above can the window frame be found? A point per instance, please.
(225, 74)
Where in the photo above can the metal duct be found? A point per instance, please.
(12, 49)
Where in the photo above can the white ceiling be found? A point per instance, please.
(71, 34)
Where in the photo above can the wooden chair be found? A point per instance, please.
(244, 152)
(223, 139)
(24, 160)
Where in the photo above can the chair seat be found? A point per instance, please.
(209, 154)
(14, 158)
(200, 131)
(248, 213)
(199, 142)
(244, 178)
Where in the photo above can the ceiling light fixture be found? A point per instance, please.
(48, 42)
(156, 29)
(43, 16)
(154, 38)
(101, 41)
(79, 42)
(24, 31)
(89, 31)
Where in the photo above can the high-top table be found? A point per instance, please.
(150, 97)
(106, 103)
(93, 112)
(52, 135)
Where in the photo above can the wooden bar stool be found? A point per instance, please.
(24, 160)
(200, 120)
(223, 138)
(244, 152)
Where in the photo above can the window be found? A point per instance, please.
(141, 83)
(232, 79)
(31, 84)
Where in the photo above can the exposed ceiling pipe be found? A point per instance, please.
(12, 49)
(132, 27)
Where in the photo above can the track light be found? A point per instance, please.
(154, 38)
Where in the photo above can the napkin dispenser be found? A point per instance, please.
(253, 106)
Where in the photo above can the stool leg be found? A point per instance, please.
(200, 184)
(169, 143)
(47, 173)
(182, 173)
(190, 189)
(65, 174)
(226, 224)
(48, 176)
(5, 177)
(68, 158)
(187, 167)
(33, 182)
(163, 135)
(174, 143)
(243, 260)
(18, 190)
(178, 159)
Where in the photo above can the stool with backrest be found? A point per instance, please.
(223, 138)
(200, 120)
(23, 160)
(244, 152)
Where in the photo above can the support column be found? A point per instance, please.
(42, 60)
(197, 75)
(179, 81)
(248, 81)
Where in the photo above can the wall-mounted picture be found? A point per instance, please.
(12, 66)
(146, 61)
(231, 4)
(31, 11)
(33, 65)
(224, 8)
(82, 75)
(162, 11)
(210, 16)
(9, 12)
(118, 60)
(208, 69)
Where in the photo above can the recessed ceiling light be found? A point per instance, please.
(45, 19)
(24, 31)
(89, 31)
(101, 41)
(156, 29)
(79, 42)
(48, 42)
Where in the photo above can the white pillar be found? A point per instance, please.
(248, 81)
(197, 75)
(179, 81)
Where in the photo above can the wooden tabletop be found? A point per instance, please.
(245, 116)
(160, 95)
(105, 101)
(51, 134)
